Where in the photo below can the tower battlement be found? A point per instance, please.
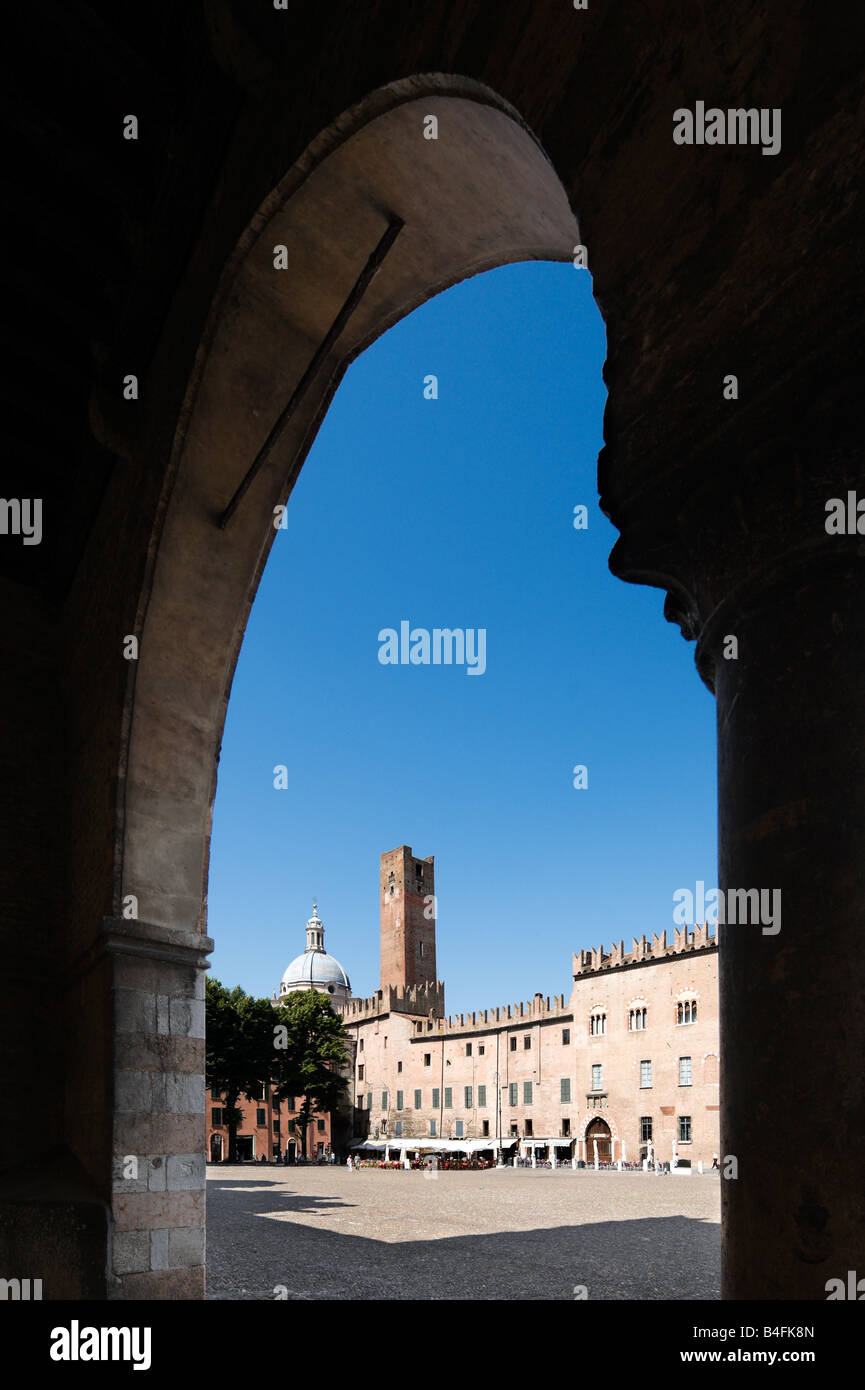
(426, 999)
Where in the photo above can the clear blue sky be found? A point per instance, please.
(458, 512)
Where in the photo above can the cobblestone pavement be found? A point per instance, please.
(326, 1233)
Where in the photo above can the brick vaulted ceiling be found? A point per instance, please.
(101, 233)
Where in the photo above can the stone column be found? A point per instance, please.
(158, 1178)
(791, 782)
(738, 538)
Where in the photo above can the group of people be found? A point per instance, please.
(407, 1163)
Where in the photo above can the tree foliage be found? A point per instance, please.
(239, 1030)
(299, 1047)
(314, 1052)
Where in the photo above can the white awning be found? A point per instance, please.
(401, 1143)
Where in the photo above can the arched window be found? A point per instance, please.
(638, 1020)
(597, 1024)
(686, 1011)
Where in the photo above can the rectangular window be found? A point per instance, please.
(485, 1128)
(369, 1101)
(292, 1126)
(417, 1104)
(399, 1099)
(319, 1124)
(684, 1071)
(513, 1044)
(512, 1093)
(566, 1129)
(527, 1093)
(645, 1128)
(565, 1089)
(468, 1049)
(514, 1129)
(276, 1126)
(216, 1116)
(361, 1044)
(529, 1130)
(384, 1100)
(645, 1074)
(597, 1077)
(263, 1095)
(566, 1037)
(458, 1129)
(482, 1097)
(684, 1129)
(261, 1116)
(436, 1097)
(467, 1098)
(290, 1102)
(527, 1042)
(399, 1066)
(398, 1128)
(360, 1072)
(449, 1097)
(432, 1129)
(427, 1058)
(481, 1050)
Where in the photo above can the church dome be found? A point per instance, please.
(315, 969)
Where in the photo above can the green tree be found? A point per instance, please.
(310, 1052)
(239, 1049)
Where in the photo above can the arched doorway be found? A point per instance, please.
(598, 1131)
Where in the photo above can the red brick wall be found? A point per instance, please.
(266, 1135)
(408, 943)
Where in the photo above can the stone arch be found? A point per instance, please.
(483, 195)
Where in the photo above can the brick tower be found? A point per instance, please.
(408, 929)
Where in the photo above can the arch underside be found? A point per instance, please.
(482, 194)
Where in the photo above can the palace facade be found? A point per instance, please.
(624, 1066)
